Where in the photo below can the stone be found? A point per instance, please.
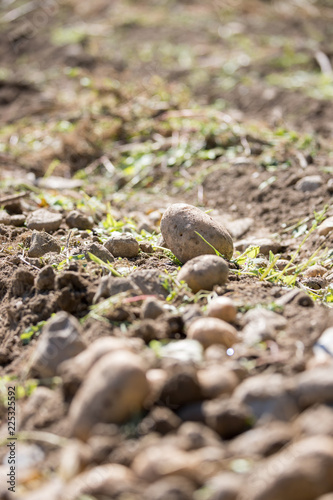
(151, 309)
(60, 340)
(42, 243)
(58, 183)
(99, 251)
(314, 387)
(298, 297)
(196, 435)
(265, 245)
(11, 220)
(325, 227)
(45, 279)
(268, 396)
(302, 471)
(112, 392)
(75, 219)
(204, 272)
(122, 245)
(309, 183)
(44, 220)
(227, 417)
(216, 380)
(222, 308)
(237, 228)
(209, 331)
(323, 348)
(179, 225)
(261, 441)
(330, 185)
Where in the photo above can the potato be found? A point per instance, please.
(179, 225)
(222, 308)
(210, 331)
(204, 272)
(114, 390)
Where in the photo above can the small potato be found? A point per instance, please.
(114, 389)
(204, 272)
(179, 225)
(222, 308)
(209, 331)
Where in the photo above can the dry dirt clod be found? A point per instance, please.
(60, 340)
(204, 272)
(80, 221)
(114, 389)
(179, 225)
(265, 245)
(42, 243)
(314, 271)
(209, 331)
(151, 309)
(122, 245)
(45, 279)
(99, 251)
(222, 308)
(43, 220)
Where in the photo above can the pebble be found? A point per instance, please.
(325, 227)
(209, 331)
(237, 228)
(60, 340)
(316, 283)
(280, 265)
(43, 220)
(181, 387)
(302, 471)
(99, 251)
(42, 243)
(76, 219)
(122, 388)
(268, 396)
(179, 225)
(204, 272)
(222, 308)
(309, 183)
(122, 245)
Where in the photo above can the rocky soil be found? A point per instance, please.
(166, 243)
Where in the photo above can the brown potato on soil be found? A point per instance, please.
(114, 390)
(179, 225)
(222, 308)
(210, 331)
(204, 272)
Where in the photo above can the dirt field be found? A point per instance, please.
(110, 112)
